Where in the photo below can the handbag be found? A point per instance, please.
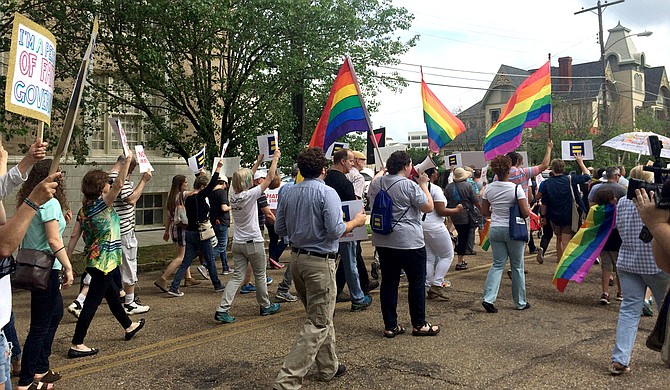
(517, 224)
(575, 222)
(180, 219)
(33, 269)
(657, 337)
(206, 231)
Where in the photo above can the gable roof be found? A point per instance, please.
(586, 81)
(652, 83)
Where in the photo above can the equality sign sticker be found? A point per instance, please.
(267, 144)
(349, 210)
(31, 70)
(570, 148)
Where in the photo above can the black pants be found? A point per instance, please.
(413, 261)
(547, 234)
(463, 237)
(101, 286)
(363, 277)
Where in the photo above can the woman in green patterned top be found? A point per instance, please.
(99, 223)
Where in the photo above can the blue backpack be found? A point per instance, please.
(381, 216)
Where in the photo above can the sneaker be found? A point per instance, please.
(176, 293)
(75, 309)
(273, 264)
(611, 282)
(285, 296)
(342, 297)
(135, 308)
(446, 283)
(367, 301)
(605, 299)
(540, 256)
(203, 271)
(226, 271)
(161, 284)
(374, 270)
(372, 285)
(188, 282)
(461, 267)
(223, 317)
(619, 297)
(439, 291)
(270, 310)
(269, 280)
(647, 310)
(341, 370)
(618, 368)
(247, 288)
(430, 294)
(221, 288)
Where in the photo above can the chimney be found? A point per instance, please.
(565, 74)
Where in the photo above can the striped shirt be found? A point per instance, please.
(635, 255)
(125, 210)
(522, 176)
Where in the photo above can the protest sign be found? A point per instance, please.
(385, 153)
(197, 161)
(334, 148)
(120, 134)
(273, 197)
(142, 159)
(230, 165)
(267, 144)
(75, 98)
(570, 148)
(349, 210)
(31, 70)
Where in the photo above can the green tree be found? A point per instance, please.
(646, 120)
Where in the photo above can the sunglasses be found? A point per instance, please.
(110, 181)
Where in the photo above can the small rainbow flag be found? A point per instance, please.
(528, 107)
(344, 111)
(441, 124)
(484, 236)
(585, 246)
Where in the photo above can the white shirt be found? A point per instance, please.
(5, 300)
(245, 214)
(358, 181)
(500, 195)
(434, 221)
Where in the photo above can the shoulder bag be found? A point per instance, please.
(575, 222)
(33, 268)
(205, 228)
(180, 219)
(517, 224)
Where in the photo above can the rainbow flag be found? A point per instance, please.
(344, 111)
(528, 107)
(585, 246)
(442, 125)
(484, 236)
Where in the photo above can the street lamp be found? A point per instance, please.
(604, 66)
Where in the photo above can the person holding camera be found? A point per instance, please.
(637, 270)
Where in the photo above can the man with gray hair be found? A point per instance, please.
(608, 182)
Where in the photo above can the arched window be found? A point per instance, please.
(638, 81)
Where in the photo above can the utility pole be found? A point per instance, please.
(600, 7)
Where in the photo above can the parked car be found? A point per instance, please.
(368, 174)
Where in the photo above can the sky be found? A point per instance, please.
(463, 43)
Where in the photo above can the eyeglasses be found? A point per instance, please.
(110, 181)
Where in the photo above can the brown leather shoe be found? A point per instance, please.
(188, 282)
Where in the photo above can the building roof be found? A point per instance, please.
(586, 81)
(652, 83)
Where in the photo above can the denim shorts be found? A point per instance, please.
(5, 353)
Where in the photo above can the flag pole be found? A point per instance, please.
(552, 107)
(40, 131)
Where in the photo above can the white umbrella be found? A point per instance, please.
(637, 142)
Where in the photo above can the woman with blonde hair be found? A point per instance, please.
(46, 306)
(178, 192)
(248, 242)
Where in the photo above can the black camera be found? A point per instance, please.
(661, 190)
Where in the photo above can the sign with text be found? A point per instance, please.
(197, 161)
(349, 210)
(570, 148)
(31, 70)
(273, 197)
(386, 152)
(334, 148)
(120, 134)
(142, 159)
(267, 144)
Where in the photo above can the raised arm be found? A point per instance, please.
(547, 156)
(117, 186)
(139, 188)
(271, 173)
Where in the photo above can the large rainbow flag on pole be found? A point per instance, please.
(528, 107)
(585, 246)
(344, 111)
(442, 125)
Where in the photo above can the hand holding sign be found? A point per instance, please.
(145, 165)
(120, 135)
(267, 144)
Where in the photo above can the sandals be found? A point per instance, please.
(36, 385)
(50, 377)
(432, 330)
(389, 334)
(461, 267)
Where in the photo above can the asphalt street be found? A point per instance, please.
(564, 341)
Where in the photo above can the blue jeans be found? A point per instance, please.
(413, 261)
(285, 284)
(276, 244)
(347, 251)
(46, 311)
(10, 333)
(221, 232)
(633, 288)
(503, 247)
(5, 362)
(193, 245)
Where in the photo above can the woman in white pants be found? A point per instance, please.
(439, 248)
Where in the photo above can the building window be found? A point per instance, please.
(494, 114)
(149, 210)
(638, 81)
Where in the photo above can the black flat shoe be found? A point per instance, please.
(490, 308)
(129, 335)
(74, 353)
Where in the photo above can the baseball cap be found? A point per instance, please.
(260, 175)
(359, 155)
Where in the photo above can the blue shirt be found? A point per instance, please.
(310, 213)
(558, 199)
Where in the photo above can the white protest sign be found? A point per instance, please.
(142, 159)
(452, 159)
(334, 148)
(385, 152)
(349, 210)
(197, 161)
(223, 149)
(570, 148)
(31, 70)
(273, 197)
(267, 144)
(230, 165)
(120, 134)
